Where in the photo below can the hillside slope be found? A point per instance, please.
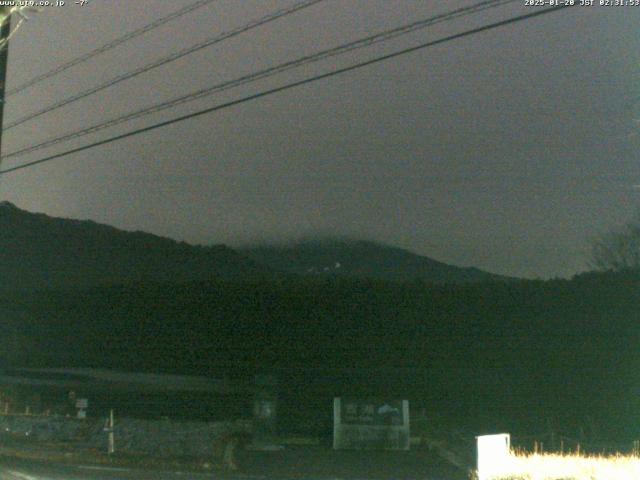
(361, 259)
(40, 252)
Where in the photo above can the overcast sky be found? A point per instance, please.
(508, 150)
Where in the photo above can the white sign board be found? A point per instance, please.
(370, 424)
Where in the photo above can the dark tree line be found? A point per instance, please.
(493, 355)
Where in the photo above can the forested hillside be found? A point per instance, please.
(494, 355)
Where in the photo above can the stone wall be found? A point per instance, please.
(144, 437)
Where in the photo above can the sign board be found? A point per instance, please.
(371, 424)
(82, 403)
(358, 412)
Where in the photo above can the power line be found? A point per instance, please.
(288, 86)
(266, 73)
(165, 60)
(5, 41)
(108, 46)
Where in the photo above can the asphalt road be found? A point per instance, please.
(300, 463)
(14, 469)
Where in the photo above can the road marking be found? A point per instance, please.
(23, 476)
(105, 469)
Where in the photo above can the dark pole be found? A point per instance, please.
(4, 59)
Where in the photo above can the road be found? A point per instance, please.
(14, 469)
(292, 463)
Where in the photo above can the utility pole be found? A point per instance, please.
(5, 31)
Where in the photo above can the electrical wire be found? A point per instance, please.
(18, 11)
(288, 86)
(5, 42)
(266, 73)
(165, 60)
(108, 46)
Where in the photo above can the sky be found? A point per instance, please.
(509, 150)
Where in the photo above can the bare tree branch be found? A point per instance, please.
(618, 250)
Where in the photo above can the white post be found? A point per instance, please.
(493, 455)
(337, 422)
(112, 444)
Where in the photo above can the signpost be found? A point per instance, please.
(81, 405)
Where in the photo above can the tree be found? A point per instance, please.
(619, 249)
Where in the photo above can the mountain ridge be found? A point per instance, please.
(360, 258)
(41, 252)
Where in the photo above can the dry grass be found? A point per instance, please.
(548, 466)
